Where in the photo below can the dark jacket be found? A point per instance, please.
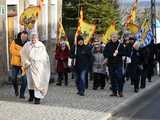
(83, 57)
(136, 57)
(109, 51)
(141, 56)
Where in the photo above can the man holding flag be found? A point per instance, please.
(113, 53)
(83, 58)
(81, 53)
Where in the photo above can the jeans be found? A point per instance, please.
(23, 85)
(81, 81)
(16, 70)
(116, 78)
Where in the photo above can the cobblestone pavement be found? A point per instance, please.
(62, 103)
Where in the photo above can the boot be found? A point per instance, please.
(37, 100)
(120, 94)
(15, 85)
(113, 94)
(16, 90)
(31, 95)
(136, 90)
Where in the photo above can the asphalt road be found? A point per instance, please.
(150, 111)
(146, 109)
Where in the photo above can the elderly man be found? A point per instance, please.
(113, 53)
(36, 63)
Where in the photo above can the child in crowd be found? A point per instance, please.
(99, 69)
(62, 55)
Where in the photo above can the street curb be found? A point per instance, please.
(136, 97)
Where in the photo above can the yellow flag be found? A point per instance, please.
(61, 32)
(81, 15)
(133, 28)
(85, 29)
(134, 11)
(107, 35)
(145, 27)
(132, 16)
(29, 17)
(79, 21)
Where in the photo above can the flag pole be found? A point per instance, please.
(75, 50)
(121, 39)
(75, 38)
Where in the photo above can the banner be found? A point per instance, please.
(61, 33)
(145, 35)
(134, 12)
(85, 29)
(132, 16)
(30, 15)
(133, 28)
(110, 30)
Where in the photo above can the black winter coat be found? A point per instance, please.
(83, 57)
(109, 51)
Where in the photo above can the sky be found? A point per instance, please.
(140, 2)
(131, 1)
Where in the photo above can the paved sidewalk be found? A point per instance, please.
(62, 103)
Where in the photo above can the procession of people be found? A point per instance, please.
(127, 51)
(114, 63)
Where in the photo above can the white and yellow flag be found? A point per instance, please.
(109, 31)
(85, 29)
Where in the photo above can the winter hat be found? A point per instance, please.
(127, 33)
(79, 38)
(132, 38)
(97, 43)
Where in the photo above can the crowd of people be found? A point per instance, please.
(117, 61)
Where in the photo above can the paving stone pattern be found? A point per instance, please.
(62, 103)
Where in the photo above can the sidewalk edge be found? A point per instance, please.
(132, 99)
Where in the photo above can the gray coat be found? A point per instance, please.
(98, 67)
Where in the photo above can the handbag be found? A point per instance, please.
(70, 62)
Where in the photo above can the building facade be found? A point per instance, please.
(3, 54)
(46, 26)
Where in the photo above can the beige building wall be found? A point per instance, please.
(3, 56)
(47, 28)
(59, 9)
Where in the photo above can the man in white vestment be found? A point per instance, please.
(35, 61)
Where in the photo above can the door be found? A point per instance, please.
(12, 27)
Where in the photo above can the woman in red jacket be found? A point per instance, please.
(62, 55)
